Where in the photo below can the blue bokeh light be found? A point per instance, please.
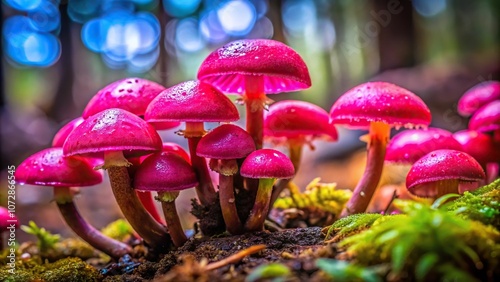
(237, 17)
(45, 17)
(81, 11)
(33, 48)
(24, 5)
(181, 8)
(94, 34)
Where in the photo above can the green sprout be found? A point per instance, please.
(343, 271)
(46, 240)
(429, 243)
(119, 230)
(276, 272)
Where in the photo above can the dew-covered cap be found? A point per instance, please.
(380, 102)
(164, 172)
(110, 131)
(281, 68)
(50, 168)
(479, 145)
(191, 101)
(487, 118)
(478, 96)
(227, 141)
(267, 163)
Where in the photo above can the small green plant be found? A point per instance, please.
(343, 271)
(276, 272)
(46, 240)
(317, 198)
(351, 225)
(119, 230)
(428, 243)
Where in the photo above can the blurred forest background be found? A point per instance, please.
(57, 54)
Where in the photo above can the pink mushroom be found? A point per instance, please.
(478, 96)
(63, 133)
(194, 103)
(7, 221)
(442, 172)
(50, 168)
(114, 134)
(131, 94)
(483, 148)
(410, 145)
(295, 123)
(224, 146)
(487, 119)
(267, 165)
(167, 173)
(254, 68)
(376, 106)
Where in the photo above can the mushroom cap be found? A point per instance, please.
(297, 119)
(380, 102)
(191, 101)
(131, 94)
(478, 96)
(113, 130)
(6, 220)
(410, 145)
(282, 69)
(487, 118)
(177, 149)
(50, 168)
(267, 163)
(64, 132)
(443, 165)
(479, 145)
(164, 172)
(226, 142)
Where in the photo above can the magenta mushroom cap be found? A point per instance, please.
(113, 130)
(50, 168)
(226, 142)
(130, 94)
(191, 101)
(297, 119)
(443, 165)
(487, 118)
(380, 102)
(267, 163)
(479, 145)
(173, 148)
(478, 96)
(164, 172)
(6, 219)
(64, 132)
(282, 69)
(410, 145)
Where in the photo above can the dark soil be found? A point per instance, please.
(296, 248)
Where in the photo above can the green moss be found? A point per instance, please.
(428, 243)
(317, 196)
(482, 205)
(119, 230)
(351, 225)
(68, 269)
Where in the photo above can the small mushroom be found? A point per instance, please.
(442, 172)
(294, 124)
(63, 133)
(376, 106)
(114, 134)
(50, 168)
(478, 96)
(167, 173)
(267, 165)
(194, 103)
(224, 146)
(7, 221)
(254, 68)
(487, 119)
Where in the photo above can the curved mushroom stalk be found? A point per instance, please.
(255, 99)
(113, 248)
(175, 230)
(258, 215)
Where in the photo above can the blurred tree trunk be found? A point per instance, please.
(63, 107)
(274, 15)
(396, 38)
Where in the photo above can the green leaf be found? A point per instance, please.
(424, 265)
(266, 271)
(400, 253)
(438, 202)
(343, 271)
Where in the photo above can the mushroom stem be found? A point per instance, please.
(113, 248)
(154, 234)
(172, 218)
(295, 151)
(255, 221)
(491, 172)
(148, 202)
(255, 99)
(205, 189)
(228, 204)
(444, 187)
(363, 193)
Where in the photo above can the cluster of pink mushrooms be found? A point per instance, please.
(117, 132)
